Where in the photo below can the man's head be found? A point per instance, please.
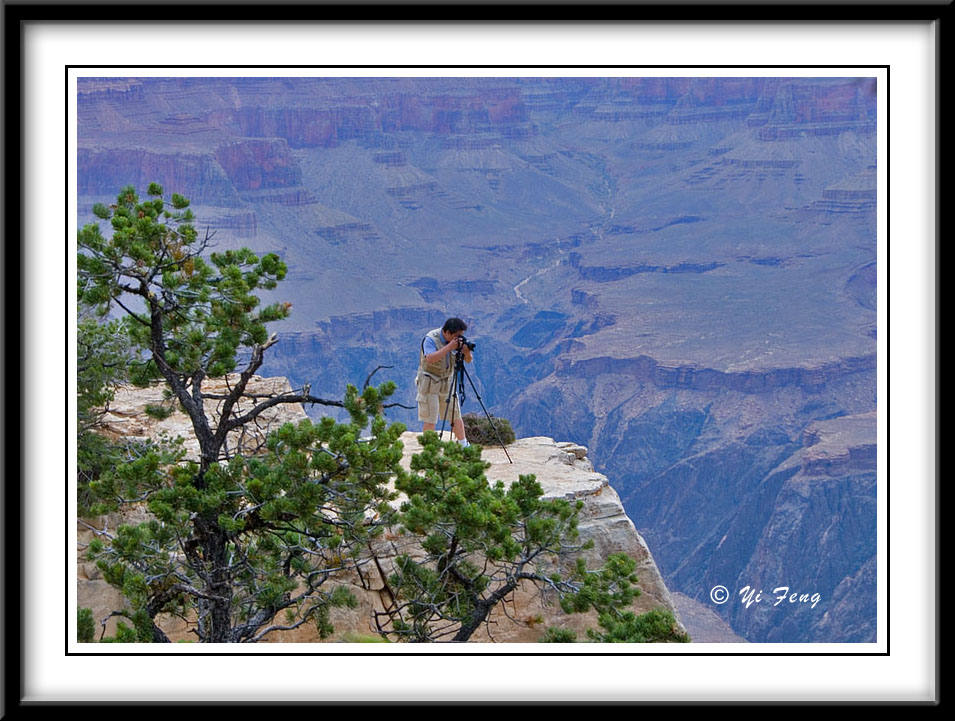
(454, 327)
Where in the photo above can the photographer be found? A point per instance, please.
(435, 369)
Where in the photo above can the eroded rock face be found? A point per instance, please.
(126, 415)
(702, 623)
(679, 273)
(563, 469)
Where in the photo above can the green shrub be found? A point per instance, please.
(355, 637)
(558, 635)
(85, 628)
(159, 412)
(124, 634)
(656, 626)
(478, 430)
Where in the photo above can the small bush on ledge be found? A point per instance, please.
(656, 626)
(478, 430)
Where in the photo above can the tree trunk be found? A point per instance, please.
(482, 610)
(216, 626)
(467, 629)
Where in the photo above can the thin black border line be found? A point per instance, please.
(516, 14)
(462, 702)
(888, 377)
(469, 66)
(938, 357)
(70, 489)
(388, 704)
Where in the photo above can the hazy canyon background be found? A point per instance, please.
(679, 273)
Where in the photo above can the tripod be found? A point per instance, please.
(457, 386)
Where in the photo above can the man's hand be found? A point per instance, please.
(454, 344)
(463, 348)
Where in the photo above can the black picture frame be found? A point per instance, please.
(19, 331)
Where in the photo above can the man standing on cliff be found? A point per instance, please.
(435, 370)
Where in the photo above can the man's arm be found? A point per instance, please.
(441, 352)
(451, 346)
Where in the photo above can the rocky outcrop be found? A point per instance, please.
(301, 127)
(563, 469)
(837, 447)
(736, 488)
(824, 509)
(323, 113)
(702, 623)
(126, 415)
(862, 286)
(238, 224)
(602, 274)
(93, 91)
(432, 289)
(339, 327)
(856, 194)
(646, 369)
(323, 119)
(293, 197)
(342, 234)
(259, 164)
(821, 107)
(401, 180)
(198, 176)
(392, 160)
(715, 99)
(628, 99)
(477, 141)
(651, 91)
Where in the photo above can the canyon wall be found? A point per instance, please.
(680, 273)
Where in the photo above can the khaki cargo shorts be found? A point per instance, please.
(433, 397)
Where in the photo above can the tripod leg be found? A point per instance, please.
(457, 386)
(443, 412)
(459, 381)
(490, 420)
(453, 402)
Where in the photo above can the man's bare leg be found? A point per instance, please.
(457, 427)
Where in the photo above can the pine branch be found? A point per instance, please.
(279, 400)
(368, 379)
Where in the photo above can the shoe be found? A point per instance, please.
(463, 442)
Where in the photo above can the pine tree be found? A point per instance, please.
(244, 544)
(248, 543)
(103, 355)
(480, 543)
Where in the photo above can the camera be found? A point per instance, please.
(462, 341)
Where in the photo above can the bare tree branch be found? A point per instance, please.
(368, 379)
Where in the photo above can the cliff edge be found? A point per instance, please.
(562, 468)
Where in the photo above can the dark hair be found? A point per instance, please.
(453, 325)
